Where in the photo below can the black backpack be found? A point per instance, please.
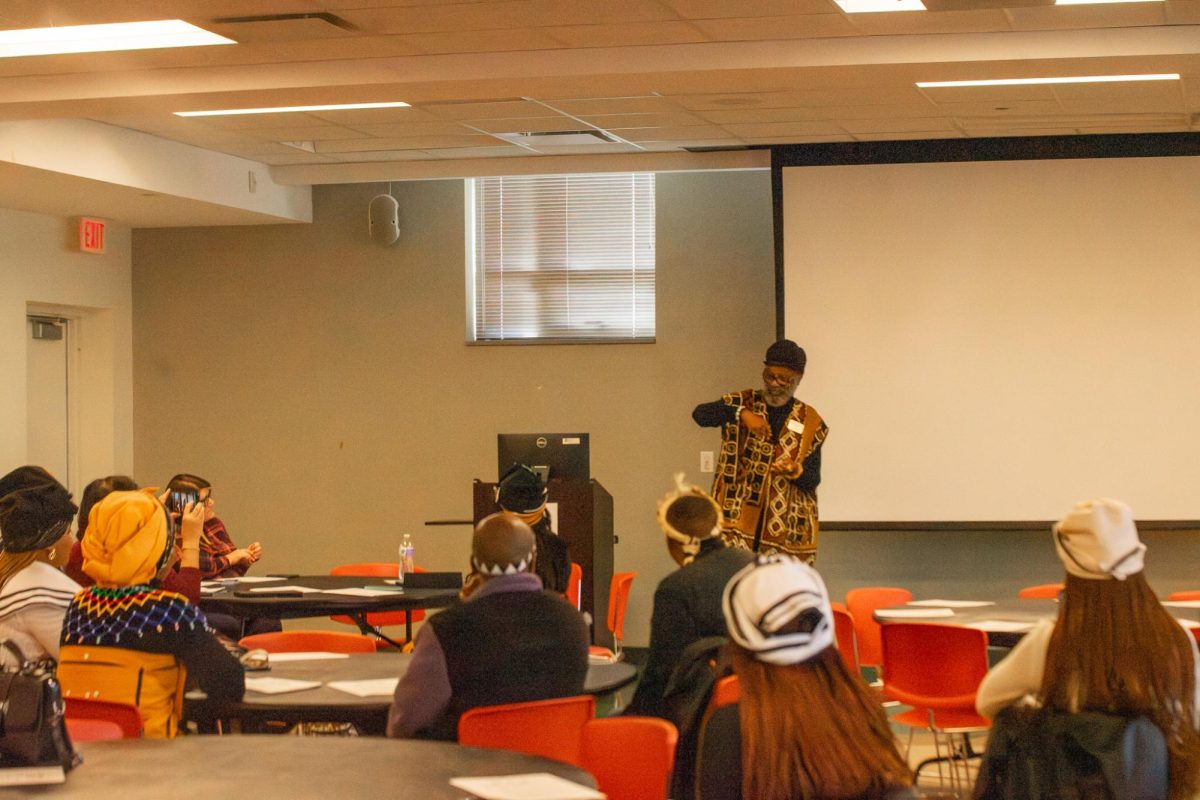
(685, 701)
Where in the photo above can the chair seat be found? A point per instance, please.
(943, 721)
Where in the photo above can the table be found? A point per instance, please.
(1012, 610)
(284, 768)
(318, 604)
(324, 704)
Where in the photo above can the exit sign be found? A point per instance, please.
(91, 235)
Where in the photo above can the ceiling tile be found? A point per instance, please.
(478, 152)
(1103, 15)
(381, 155)
(1183, 12)
(490, 41)
(1002, 108)
(374, 116)
(400, 130)
(407, 143)
(988, 94)
(810, 113)
(282, 159)
(246, 122)
(639, 33)
(897, 136)
(463, 17)
(895, 23)
(798, 139)
(710, 9)
(673, 133)
(615, 105)
(313, 133)
(608, 121)
(527, 125)
(585, 149)
(765, 130)
(793, 26)
(930, 126)
(505, 109)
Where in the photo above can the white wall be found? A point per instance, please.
(40, 266)
(323, 384)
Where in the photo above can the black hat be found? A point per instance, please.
(520, 490)
(786, 353)
(23, 478)
(35, 517)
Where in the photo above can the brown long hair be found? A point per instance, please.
(1115, 649)
(812, 730)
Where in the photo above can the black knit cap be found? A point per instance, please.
(786, 353)
(520, 490)
(23, 478)
(35, 517)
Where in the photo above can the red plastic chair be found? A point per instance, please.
(843, 631)
(82, 712)
(1190, 595)
(937, 669)
(1043, 591)
(862, 604)
(630, 757)
(309, 641)
(618, 598)
(547, 728)
(376, 569)
(93, 730)
(574, 586)
(726, 692)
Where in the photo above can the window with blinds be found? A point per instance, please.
(562, 258)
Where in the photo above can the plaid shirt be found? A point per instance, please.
(215, 547)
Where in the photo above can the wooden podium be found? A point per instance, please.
(585, 520)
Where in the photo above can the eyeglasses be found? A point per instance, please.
(780, 378)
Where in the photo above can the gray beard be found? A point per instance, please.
(776, 401)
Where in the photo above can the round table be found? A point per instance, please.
(284, 768)
(324, 704)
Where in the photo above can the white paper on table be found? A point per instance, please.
(1181, 603)
(358, 592)
(534, 786)
(952, 603)
(999, 626)
(370, 687)
(913, 613)
(256, 579)
(207, 590)
(304, 589)
(310, 655)
(278, 685)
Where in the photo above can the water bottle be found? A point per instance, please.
(406, 556)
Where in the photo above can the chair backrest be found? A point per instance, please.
(933, 666)
(618, 598)
(126, 718)
(574, 585)
(1036, 754)
(726, 692)
(307, 641)
(376, 569)
(1042, 591)
(630, 757)
(862, 604)
(1190, 595)
(843, 631)
(547, 728)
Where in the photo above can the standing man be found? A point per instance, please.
(770, 461)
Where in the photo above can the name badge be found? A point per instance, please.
(793, 425)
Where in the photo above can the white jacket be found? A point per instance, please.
(32, 606)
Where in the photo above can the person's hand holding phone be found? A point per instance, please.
(191, 528)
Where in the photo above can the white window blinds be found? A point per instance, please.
(564, 257)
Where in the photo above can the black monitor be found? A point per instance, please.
(563, 456)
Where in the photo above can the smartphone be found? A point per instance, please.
(178, 500)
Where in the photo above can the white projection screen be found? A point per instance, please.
(996, 340)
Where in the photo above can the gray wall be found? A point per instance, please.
(323, 385)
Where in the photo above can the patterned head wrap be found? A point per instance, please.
(521, 493)
(1097, 540)
(678, 499)
(35, 517)
(763, 600)
(502, 545)
(127, 543)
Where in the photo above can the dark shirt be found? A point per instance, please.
(716, 414)
(185, 580)
(687, 608)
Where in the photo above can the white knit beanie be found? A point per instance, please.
(1098, 540)
(764, 597)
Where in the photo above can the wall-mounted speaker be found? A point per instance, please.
(383, 219)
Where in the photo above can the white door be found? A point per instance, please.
(47, 391)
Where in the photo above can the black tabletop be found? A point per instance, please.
(326, 704)
(284, 768)
(320, 604)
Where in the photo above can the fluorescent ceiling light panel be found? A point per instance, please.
(228, 112)
(105, 38)
(869, 6)
(1171, 76)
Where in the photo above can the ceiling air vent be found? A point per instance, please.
(541, 140)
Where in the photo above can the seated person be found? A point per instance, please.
(129, 641)
(184, 575)
(522, 494)
(509, 642)
(35, 538)
(1114, 648)
(806, 727)
(687, 603)
(221, 558)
